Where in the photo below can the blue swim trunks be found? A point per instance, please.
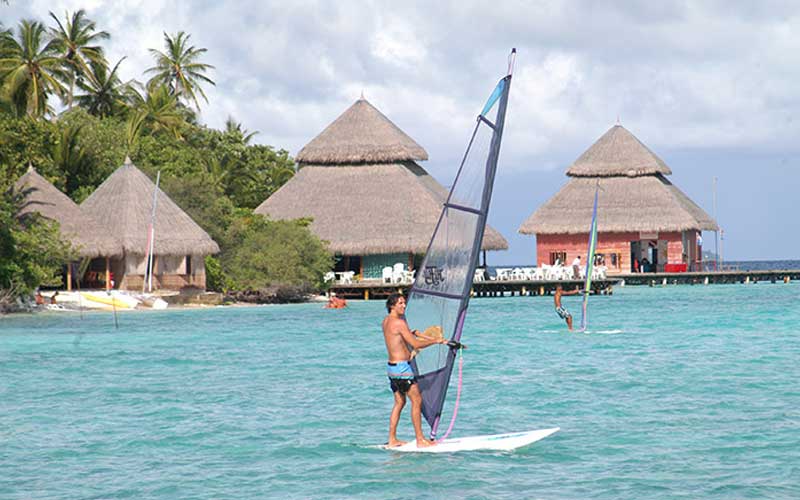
(401, 376)
(562, 313)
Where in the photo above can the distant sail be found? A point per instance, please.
(587, 287)
(440, 294)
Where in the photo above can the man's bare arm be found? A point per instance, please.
(418, 342)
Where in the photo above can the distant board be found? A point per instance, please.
(497, 442)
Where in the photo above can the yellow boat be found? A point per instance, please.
(114, 300)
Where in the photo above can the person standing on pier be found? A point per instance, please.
(560, 309)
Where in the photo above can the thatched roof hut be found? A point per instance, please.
(83, 230)
(359, 182)
(635, 194)
(125, 201)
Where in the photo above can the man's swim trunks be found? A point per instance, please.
(401, 376)
(563, 313)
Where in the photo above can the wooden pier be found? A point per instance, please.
(710, 277)
(377, 289)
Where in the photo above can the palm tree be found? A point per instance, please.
(70, 158)
(30, 68)
(234, 128)
(75, 38)
(104, 93)
(155, 109)
(179, 69)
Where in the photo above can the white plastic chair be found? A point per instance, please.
(408, 276)
(347, 276)
(532, 273)
(398, 273)
(502, 273)
(329, 276)
(386, 274)
(478, 275)
(555, 273)
(599, 273)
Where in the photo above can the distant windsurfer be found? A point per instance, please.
(401, 376)
(560, 309)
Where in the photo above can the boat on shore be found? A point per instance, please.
(111, 299)
(104, 300)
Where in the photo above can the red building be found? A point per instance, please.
(643, 220)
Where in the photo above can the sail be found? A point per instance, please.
(587, 288)
(440, 294)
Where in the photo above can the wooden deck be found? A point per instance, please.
(710, 277)
(377, 289)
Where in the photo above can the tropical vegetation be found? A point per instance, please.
(66, 111)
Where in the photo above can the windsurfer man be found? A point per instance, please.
(398, 337)
(560, 309)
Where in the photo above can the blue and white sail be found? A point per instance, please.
(440, 295)
(590, 256)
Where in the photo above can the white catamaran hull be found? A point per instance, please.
(502, 442)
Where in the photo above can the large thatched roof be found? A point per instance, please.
(367, 209)
(83, 230)
(645, 203)
(617, 152)
(362, 134)
(125, 200)
(635, 194)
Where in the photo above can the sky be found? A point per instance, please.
(710, 86)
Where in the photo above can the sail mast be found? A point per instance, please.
(151, 236)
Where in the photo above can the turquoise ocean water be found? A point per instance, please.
(677, 392)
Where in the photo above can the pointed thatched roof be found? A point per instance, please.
(362, 134)
(647, 203)
(367, 209)
(617, 152)
(125, 199)
(634, 194)
(83, 230)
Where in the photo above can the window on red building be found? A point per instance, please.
(561, 257)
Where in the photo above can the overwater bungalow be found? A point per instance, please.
(360, 183)
(643, 219)
(125, 202)
(84, 232)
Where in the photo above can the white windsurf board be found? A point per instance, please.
(502, 442)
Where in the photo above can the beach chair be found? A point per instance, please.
(347, 277)
(408, 276)
(329, 276)
(478, 276)
(386, 274)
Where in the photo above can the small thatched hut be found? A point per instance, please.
(641, 214)
(360, 183)
(87, 235)
(125, 201)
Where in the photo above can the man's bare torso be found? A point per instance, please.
(395, 345)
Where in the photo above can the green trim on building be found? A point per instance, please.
(373, 264)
